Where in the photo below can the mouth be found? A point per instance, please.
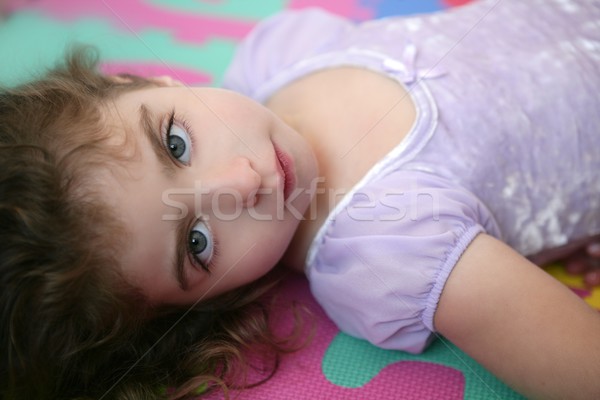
(285, 165)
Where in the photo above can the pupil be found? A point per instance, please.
(198, 242)
(176, 146)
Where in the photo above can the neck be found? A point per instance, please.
(351, 117)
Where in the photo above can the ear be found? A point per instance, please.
(119, 79)
(165, 80)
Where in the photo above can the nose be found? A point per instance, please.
(237, 180)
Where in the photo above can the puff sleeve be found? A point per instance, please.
(278, 43)
(380, 265)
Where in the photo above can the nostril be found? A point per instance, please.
(254, 182)
(251, 199)
(249, 181)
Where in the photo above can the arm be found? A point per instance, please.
(520, 323)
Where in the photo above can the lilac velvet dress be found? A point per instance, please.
(506, 141)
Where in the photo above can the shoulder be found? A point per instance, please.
(398, 202)
(279, 42)
(383, 261)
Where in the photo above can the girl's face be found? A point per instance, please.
(212, 194)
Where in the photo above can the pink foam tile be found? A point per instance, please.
(300, 376)
(455, 3)
(350, 9)
(138, 15)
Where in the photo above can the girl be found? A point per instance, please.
(73, 324)
(407, 165)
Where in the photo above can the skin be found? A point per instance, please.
(231, 162)
(531, 332)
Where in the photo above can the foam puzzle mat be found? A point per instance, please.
(193, 41)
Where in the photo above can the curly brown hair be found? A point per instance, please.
(71, 326)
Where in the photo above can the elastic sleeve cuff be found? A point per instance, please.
(433, 299)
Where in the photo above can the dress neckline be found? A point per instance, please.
(402, 71)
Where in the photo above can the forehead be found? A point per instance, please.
(122, 119)
(134, 116)
(124, 152)
(132, 181)
(130, 101)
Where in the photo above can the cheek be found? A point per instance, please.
(240, 113)
(255, 246)
(247, 251)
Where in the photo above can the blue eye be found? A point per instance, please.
(200, 244)
(178, 142)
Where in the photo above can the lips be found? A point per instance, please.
(285, 165)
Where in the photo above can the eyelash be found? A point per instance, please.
(172, 120)
(213, 260)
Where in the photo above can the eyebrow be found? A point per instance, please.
(180, 252)
(148, 124)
